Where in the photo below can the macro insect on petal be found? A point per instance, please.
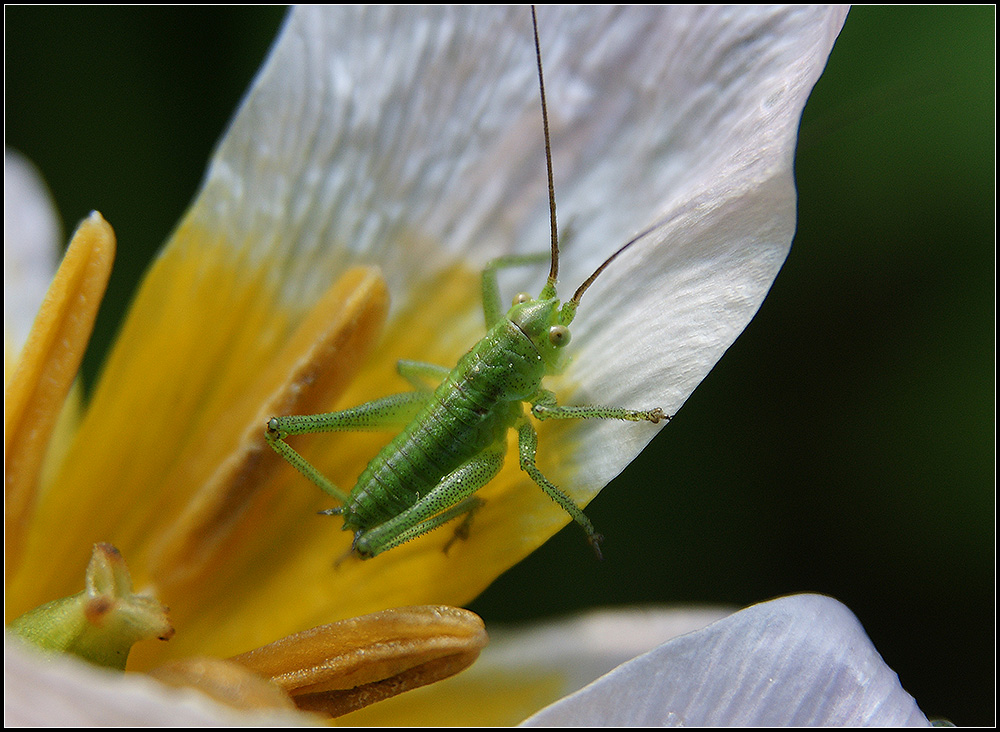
(453, 438)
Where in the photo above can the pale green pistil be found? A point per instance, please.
(101, 623)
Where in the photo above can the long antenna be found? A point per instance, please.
(688, 207)
(590, 280)
(554, 233)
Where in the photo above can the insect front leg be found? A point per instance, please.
(493, 307)
(450, 498)
(544, 406)
(391, 411)
(422, 375)
(527, 442)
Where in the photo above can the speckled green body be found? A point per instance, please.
(453, 438)
(470, 412)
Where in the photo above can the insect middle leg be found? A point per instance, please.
(385, 413)
(544, 406)
(527, 442)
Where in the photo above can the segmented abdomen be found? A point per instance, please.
(471, 410)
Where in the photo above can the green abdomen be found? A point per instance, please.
(470, 411)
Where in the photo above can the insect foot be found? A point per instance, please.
(462, 530)
(657, 414)
(595, 541)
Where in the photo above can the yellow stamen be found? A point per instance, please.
(47, 367)
(347, 665)
(316, 365)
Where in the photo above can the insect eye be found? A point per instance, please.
(521, 297)
(559, 335)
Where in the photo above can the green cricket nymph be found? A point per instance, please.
(454, 438)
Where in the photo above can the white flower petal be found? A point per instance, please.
(407, 136)
(720, 178)
(59, 690)
(583, 648)
(31, 234)
(368, 125)
(800, 660)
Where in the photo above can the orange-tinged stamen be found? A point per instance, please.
(47, 367)
(317, 363)
(344, 666)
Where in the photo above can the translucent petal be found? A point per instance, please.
(30, 247)
(803, 660)
(527, 668)
(63, 691)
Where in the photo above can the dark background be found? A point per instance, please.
(844, 445)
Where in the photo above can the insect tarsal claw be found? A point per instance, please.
(595, 542)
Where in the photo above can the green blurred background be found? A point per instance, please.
(844, 445)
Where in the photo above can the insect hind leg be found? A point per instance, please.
(462, 530)
(450, 498)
